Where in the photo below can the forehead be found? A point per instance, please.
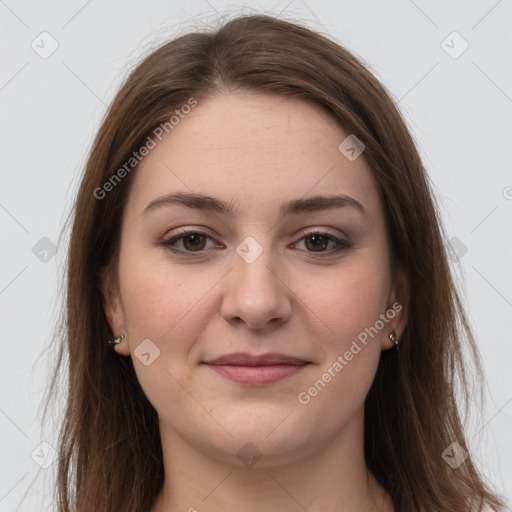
(256, 150)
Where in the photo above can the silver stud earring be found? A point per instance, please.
(115, 341)
(394, 338)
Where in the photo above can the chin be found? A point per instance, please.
(257, 451)
(260, 438)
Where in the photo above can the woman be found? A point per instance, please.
(260, 313)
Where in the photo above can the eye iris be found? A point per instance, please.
(317, 241)
(195, 237)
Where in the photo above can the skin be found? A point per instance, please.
(257, 151)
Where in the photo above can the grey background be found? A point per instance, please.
(458, 109)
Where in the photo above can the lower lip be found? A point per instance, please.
(257, 374)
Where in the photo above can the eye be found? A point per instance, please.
(320, 240)
(195, 242)
(192, 241)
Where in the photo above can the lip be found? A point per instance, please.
(246, 359)
(245, 368)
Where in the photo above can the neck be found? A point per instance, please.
(332, 478)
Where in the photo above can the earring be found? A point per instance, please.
(394, 338)
(116, 341)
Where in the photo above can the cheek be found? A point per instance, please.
(160, 298)
(350, 308)
(351, 303)
(166, 306)
(352, 298)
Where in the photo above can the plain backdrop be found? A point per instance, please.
(447, 65)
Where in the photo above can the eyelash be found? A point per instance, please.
(342, 244)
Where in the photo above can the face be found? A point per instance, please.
(311, 284)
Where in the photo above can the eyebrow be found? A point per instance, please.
(292, 207)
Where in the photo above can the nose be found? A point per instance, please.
(256, 293)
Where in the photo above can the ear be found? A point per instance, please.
(113, 309)
(397, 308)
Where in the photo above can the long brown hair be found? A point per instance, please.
(110, 456)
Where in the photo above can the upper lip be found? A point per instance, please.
(246, 359)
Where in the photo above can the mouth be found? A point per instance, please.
(255, 370)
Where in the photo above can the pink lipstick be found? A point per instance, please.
(262, 369)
